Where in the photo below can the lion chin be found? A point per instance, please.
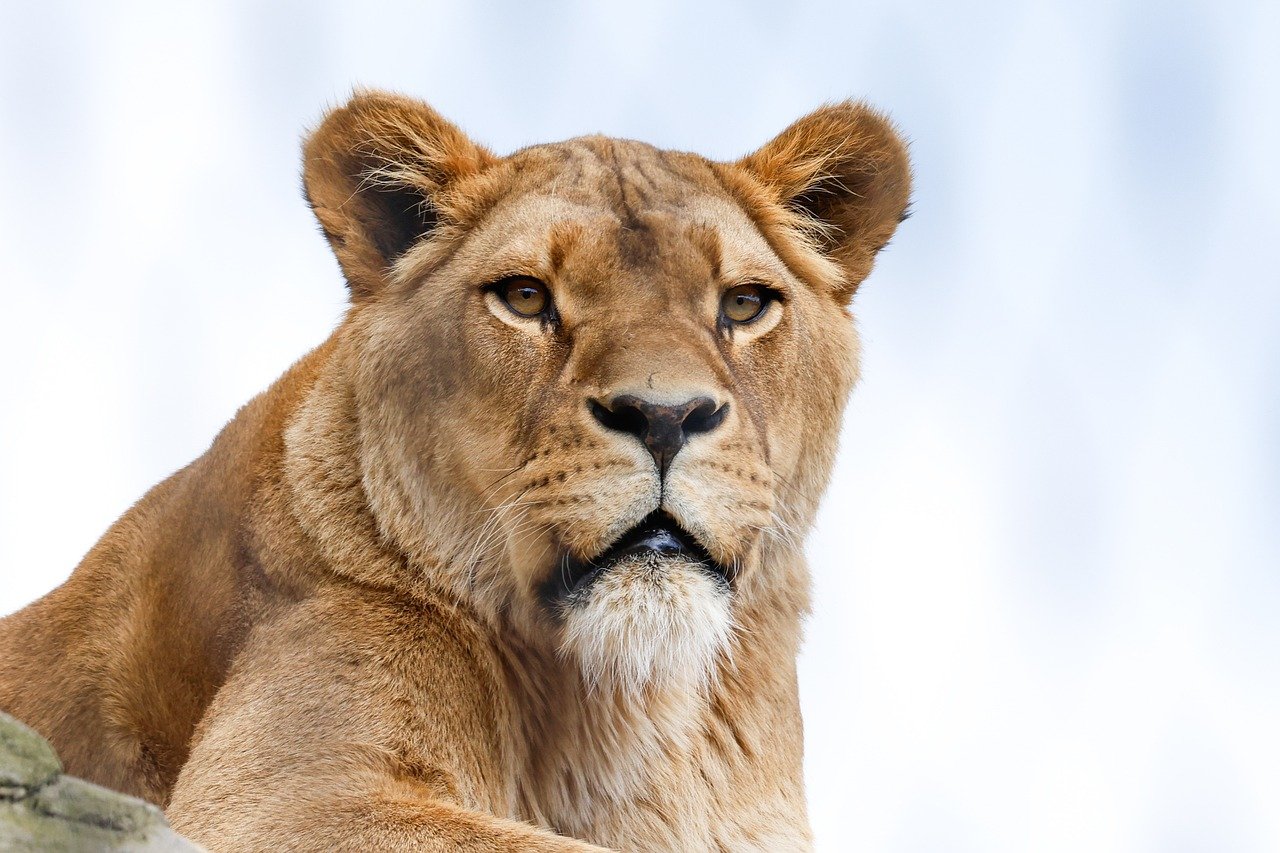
(652, 611)
(648, 621)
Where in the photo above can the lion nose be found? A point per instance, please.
(662, 428)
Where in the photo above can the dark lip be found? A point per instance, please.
(658, 533)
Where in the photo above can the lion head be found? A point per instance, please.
(595, 387)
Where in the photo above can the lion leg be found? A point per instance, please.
(359, 720)
(314, 813)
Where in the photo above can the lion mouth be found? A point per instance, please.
(657, 537)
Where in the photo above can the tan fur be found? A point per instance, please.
(328, 631)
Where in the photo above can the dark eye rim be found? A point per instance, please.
(498, 288)
(768, 296)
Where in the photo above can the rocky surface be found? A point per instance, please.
(41, 809)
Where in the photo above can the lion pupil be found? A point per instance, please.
(528, 299)
(742, 304)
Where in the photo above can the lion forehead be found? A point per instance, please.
(603, 218)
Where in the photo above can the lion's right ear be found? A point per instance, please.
(374, 171)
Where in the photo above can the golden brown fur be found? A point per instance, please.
(333, 629)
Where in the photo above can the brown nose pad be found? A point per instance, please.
(660, 427)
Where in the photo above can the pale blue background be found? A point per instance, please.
(1046, 576)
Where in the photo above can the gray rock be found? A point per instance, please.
(26, 760)
(40, 809)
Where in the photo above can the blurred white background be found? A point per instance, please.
(1047, 576)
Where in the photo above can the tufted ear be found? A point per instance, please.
(374, 172)
(844, 170)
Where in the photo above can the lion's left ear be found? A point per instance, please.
(375, 172)
(844, 169)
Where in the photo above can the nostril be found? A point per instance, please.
(705, 416)
(623, 418)
(662, 428)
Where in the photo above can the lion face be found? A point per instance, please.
(599, 385)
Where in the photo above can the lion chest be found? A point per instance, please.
(631, 778)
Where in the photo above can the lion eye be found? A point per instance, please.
(744, 303)
(526, 296)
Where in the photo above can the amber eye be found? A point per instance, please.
(526, 296)
(744, 303)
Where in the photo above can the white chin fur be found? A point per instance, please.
(648, 621)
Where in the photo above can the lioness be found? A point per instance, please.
(513, 560)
